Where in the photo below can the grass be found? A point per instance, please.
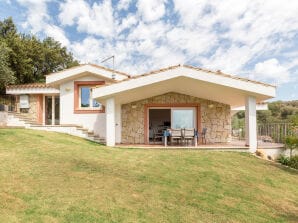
(52, 177)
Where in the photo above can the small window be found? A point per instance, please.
(86, 100)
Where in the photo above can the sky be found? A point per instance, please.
(256, 39)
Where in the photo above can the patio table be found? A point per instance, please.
(166, 134)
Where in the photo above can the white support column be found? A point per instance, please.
(53, 110)
(251, 123)
(110, 122)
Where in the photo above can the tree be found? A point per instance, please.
(7, 28)
(6, 74)
(291, 143)
(30, 58)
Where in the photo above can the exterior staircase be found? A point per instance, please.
(20, 120)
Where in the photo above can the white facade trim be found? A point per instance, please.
(259, 107)
(251, 124)
(36, 90)
(110, 122)
(250, 87)
(72, 72)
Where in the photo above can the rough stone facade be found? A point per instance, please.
(32, 112)
(216, 117)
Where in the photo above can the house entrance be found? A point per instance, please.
(163, 118)
(52, 110)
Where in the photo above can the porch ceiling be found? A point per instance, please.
(188, 86)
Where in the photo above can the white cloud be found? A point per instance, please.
(229, 60)
(38, 20)
(57, 33)
(123, 4)
(89, 50)
(127, 22)
(72, 10)
(151, 10)
(96, 19)
(194, 43)
(272, 70)
(37, 15)
(228, 35)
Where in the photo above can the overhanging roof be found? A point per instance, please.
(33, 88)
(188, 80)
(85, 69)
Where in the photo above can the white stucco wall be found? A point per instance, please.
(93, 122)
(118, 123)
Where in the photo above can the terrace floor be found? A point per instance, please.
(234, 145)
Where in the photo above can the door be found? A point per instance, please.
(57, 110)
(52, 110)
(48, 110)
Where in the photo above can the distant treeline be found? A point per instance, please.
(24, 58)
(278, 112)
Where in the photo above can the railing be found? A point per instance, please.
(268, 132)
(277, 131)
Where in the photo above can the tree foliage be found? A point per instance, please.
(278, 111)
(28, 59)
(6, 74)
(291, 143)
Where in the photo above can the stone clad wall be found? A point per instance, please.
(31, 112)
(216, 117)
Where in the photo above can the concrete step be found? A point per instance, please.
(21, 120)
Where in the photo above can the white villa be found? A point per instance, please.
(124, 109)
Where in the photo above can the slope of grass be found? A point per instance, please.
(52, 177)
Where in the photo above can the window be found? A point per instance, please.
(183, 118)
(86, 100)
(83, 100)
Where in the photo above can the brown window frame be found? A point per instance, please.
(77, 108)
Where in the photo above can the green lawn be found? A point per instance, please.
(52, 177)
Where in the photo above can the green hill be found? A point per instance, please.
(52, 177)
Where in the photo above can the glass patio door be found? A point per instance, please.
(52, 110)
(183, 118)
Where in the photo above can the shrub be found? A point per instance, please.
(289, 161)
(283, 160)
(293, 162)
(291, 143)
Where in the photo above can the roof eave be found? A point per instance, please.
(225, 80)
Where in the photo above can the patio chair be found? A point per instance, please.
(175, 134)
(189, 134)
(157, 135)
(203, 136)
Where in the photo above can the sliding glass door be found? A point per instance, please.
(183, 118)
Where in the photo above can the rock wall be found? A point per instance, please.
(216, 117)
(32, 111)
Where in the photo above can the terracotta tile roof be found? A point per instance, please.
(31, 85)
(152, 72)
(198, 69)
(43, 85)
(111, 70)
(228, 75)
(93, 65)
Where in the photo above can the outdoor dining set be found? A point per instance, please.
(181, 136)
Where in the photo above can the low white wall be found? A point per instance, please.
(93, 122)
(3, 118)
(274, 153)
